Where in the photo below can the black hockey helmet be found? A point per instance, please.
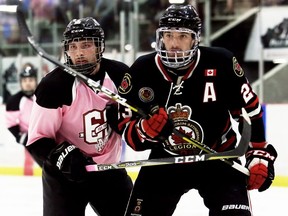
(28, 71)
(84, 29)
(182, 18)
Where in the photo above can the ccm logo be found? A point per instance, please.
(189, 159)
(174, 19)
(262, 153)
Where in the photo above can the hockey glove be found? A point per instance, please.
(158, 126)
(260, 162)
(70, 161)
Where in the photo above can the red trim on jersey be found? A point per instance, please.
(235, 112)
(253, 104)
(166, 75)
(226, 145)
(129, 132)
(258, 116)
(258, 144)
(190, 70)
(122, 123)
(229, 141)
(162, 68)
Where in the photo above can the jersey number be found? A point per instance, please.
(95, 127)
(247, 94)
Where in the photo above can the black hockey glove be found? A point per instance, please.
(70, 161)
(157, 127)
(260, 162)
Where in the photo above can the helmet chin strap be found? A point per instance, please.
(186, 66)
(84, 68)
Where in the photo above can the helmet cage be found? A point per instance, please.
(86, 68)
(176, 59)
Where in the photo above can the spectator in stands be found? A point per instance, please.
(106, 12)
(228, 9)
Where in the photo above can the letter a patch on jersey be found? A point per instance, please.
(210, 72)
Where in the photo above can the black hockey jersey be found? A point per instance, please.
(200, 100)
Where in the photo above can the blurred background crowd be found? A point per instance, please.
(131, 24)
(49, 17)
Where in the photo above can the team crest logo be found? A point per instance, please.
(182, 122)
(126, 84)
(237, 68)
(146, 94)
(96, 131)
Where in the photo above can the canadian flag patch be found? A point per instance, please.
(210, 72)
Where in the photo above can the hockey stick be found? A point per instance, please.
(237, 152)
(163, 161)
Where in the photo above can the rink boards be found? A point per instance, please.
(15, 161)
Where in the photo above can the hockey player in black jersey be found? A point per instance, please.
(197, 90)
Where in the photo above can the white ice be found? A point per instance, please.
(22, 195)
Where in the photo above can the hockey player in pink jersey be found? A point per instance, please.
(69, 129)
(18, 109)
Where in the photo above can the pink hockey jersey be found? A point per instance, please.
(66, 109)
(18, 109)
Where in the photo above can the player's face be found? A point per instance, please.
(28, 84)
(175, 40)
(82, 51)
